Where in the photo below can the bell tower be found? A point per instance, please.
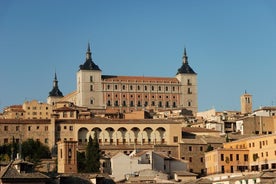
(67, 157)
(246, 103)
(55, 94)
(89, 84)
(188, 81)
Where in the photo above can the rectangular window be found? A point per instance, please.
(91, 87)
(222, 157)
(245, 157)
(190, 148)
(17, 128)
(237, 157)
(6, 141)
(71, 128)
(175, 139)
(189, 82)
(29, 128)
(231, 157)
(64, 114)
(46, 128)
(6, 128)
(222, 169)
(91, 78)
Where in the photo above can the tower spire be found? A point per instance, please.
(55, 80)
(55, 91)
(185, 57)
(88, 52)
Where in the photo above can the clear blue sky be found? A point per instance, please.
(230, 43)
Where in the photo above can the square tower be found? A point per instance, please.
(246, 103)
(67, 157)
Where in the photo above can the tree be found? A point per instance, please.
(81, 161)
(8, 151)
(92, 155)
(33, 151)
(227, 138)
(209, 148)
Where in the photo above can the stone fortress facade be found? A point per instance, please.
(131, 93)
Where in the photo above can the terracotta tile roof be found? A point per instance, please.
(65, 109)
(118, 121)
(197, 129)
(15, 106)
(10, 172)
(139, 79)
(140, 153)
(185, 173)
(194, 141)
(24, 121)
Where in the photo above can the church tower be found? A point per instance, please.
(55, 94)
(89, 84)
(188, 79)
(246, 103)
(67, 157)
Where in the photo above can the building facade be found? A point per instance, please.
(113, 135)
(129, 93)
(256, 153)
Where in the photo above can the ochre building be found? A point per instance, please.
(255, 153)
(131, 93)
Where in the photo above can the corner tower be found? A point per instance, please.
(246, 103)
(89, 84)
(188, 89)
(55, 94)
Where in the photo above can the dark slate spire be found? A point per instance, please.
(185, 57)
(55, 91)
(89, 64)
(185, 68)
(88, 53)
